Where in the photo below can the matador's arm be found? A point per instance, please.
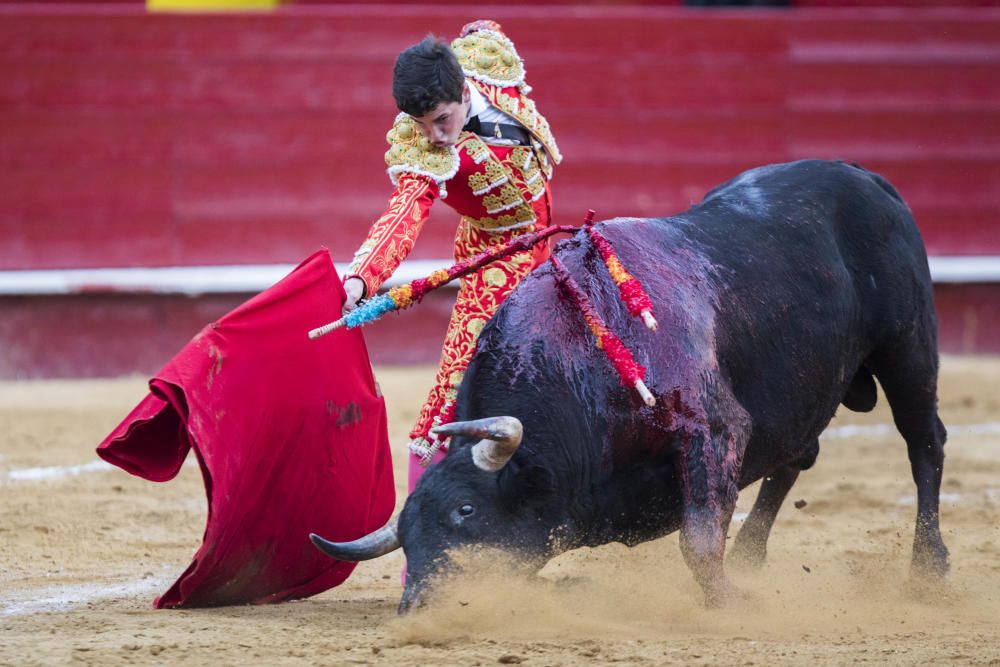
(393, 235)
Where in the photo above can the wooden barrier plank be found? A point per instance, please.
(893, 35)
(158, 84)
(67, 242)
(592, 35)
(894, 4)
(89, 34)
(693, 85)
(947, 231)
(110, 85)
(330, 141)
(599, 137)
(282, 241)
(247, 191)
(145, 331)
(916, 133)
(32, 139)
(956, 184)
(270, 86)
(904, 86)
(85, 195)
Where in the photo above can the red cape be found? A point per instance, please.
(290, 434)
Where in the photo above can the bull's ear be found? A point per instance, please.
(521, 484)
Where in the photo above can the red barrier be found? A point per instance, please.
(144, 331)
(157, 140)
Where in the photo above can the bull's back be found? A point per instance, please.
(823, 241)
(801, 270)
(775, 289)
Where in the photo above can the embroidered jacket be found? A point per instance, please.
(492, 187)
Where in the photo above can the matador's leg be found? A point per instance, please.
(480, 295)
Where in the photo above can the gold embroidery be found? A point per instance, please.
(509, 105)
(543, 161)
(483, 182)
(475, 147)
(359, 256)
(392, 236)
(476, 325)
(522, 216)
(536, 185)
(494, 276)
(410, 152)
(521, 157)
(507, 198)
(489, 57)
(529, 168)
(478, 298)
(523, 109)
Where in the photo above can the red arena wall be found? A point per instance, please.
(171, 140)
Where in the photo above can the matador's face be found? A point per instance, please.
(442, 124)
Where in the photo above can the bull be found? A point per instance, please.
(785, 293)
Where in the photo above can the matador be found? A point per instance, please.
(467, 134)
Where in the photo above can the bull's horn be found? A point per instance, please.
(500, 438)
(372, 545)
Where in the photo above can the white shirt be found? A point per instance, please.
(480, 106)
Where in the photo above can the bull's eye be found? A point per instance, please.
(466, 509)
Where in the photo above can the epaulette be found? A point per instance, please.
(488, 56)
(410, 152)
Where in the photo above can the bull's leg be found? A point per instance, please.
(750, 546)
(709, 474)
(703, 542)
(907, 371)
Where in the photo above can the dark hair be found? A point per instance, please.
(425, 75)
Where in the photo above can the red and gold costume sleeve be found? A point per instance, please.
(392, 236)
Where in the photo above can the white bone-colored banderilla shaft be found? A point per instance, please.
(326, 328)
(643, 390)
(650, 321)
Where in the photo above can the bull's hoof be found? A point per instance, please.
(930, 561)
(935, 591)
(727, 596)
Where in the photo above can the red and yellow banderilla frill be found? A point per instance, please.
(630, 289)
(629, 370)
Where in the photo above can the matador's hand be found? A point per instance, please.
(355, 288)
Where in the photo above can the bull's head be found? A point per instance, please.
(479, 495)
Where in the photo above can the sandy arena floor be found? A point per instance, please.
(85, 547)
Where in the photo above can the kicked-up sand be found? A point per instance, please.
(85, 547)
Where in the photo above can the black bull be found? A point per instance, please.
(779, 297)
